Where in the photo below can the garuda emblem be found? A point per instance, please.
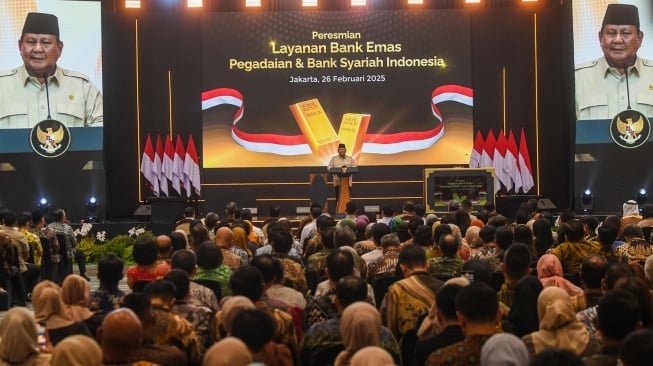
(630, 129)
(50, 138)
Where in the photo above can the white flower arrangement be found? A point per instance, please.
(101, 236)
(84, 230)
(136, 232)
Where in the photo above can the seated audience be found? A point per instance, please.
(256, 328)
(516, 265)
(574, 248)
(230, 351)
(549, 271)
(163, 354)
(635, 247)
(76, 292)
(108, 295)
(447, 319)
(559, 327)
(147, 267)
(371, 356)
(410, 298)
(273, 276)
(360, 327)
(326, 334)
(186, 260)
(49, 311)
(504, 349)
(556, 356)
(619, 314)
(77, 350)
(387, 263)
(637, 348)
(477, 308)
(522, 318)
(210, 266)
(224, 239)
(168, 327)
(281, 242)
(449, 264)
(18, 339)
(121, 338)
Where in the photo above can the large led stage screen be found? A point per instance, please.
(614, 100)
(286, 88)
(51, 131)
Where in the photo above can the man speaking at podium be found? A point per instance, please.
(601, 85)
(40, 89)
(339, 161)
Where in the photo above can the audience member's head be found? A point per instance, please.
(339, 263)
(327, 236)
(516, 261)
(633, 232)
(441, 230)
(247, 281)
(618, 314)
(344, 236)
(487, 234)
(161, 292)
(504, 237)
(271, 268)
(412, 257)
(504, 349)
(231, 307)
(637, 348)
(449, 245)
(164, 246)
(350, 289)
(181, 281)
(607, 234)
(109, 271)
(179, 240)
(445, 302)
(573, 231)
(255, 327)
(230, 351)
(557, 357)
(378, 231)
(209, 256)
(423, 236)
(184, 259)
(145, 251)
(18, 334)
(77, 350)
(360, 326)
(120, 336)
(479, 268)
(477, 304)
(640, 290)
(592, 271)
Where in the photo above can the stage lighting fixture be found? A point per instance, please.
(133, 4)
(587, 201)
(641, 196)
(44, 206)
(91, 210)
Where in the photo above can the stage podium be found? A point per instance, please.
(343, 174)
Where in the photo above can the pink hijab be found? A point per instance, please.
(549, 271)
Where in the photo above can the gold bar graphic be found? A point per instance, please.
(353, 128)
(316, 127)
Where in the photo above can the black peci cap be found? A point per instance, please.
(41, 23)
(621, 14)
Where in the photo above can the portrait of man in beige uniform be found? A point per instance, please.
(601, 84)
(69, 98)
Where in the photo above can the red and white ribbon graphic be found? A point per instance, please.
(376, 143)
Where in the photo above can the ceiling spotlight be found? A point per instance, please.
(91, 210)
(44, 206)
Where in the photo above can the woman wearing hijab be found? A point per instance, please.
(372, 356)
(230, 351)
(559, 327)
(49, 311)
(77, 350)
(504, 349)
(76, 292)
(360, 326)
(522, 318)
(549, 271)
(18, 340)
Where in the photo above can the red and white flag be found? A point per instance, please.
(168, 158)
(525, 164)
(178, 165)
(158, 165)
(487, 156)
(510, 162)
(191, 168)
(147, 166)
(500, 149)
(477, 150)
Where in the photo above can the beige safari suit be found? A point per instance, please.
(337, 162)
(74, 100)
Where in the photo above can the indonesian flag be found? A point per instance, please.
(510, 162)
(477, 150)
(158, 166)
(487, 156)
(525, 164)
(178, 165)
(499, 160)
(166, 164)
(147, 166)
(191, 168)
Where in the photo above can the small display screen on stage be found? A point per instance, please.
(286, 88)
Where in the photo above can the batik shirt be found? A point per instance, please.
(446, 267)
(222, 274)
(464, 353)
